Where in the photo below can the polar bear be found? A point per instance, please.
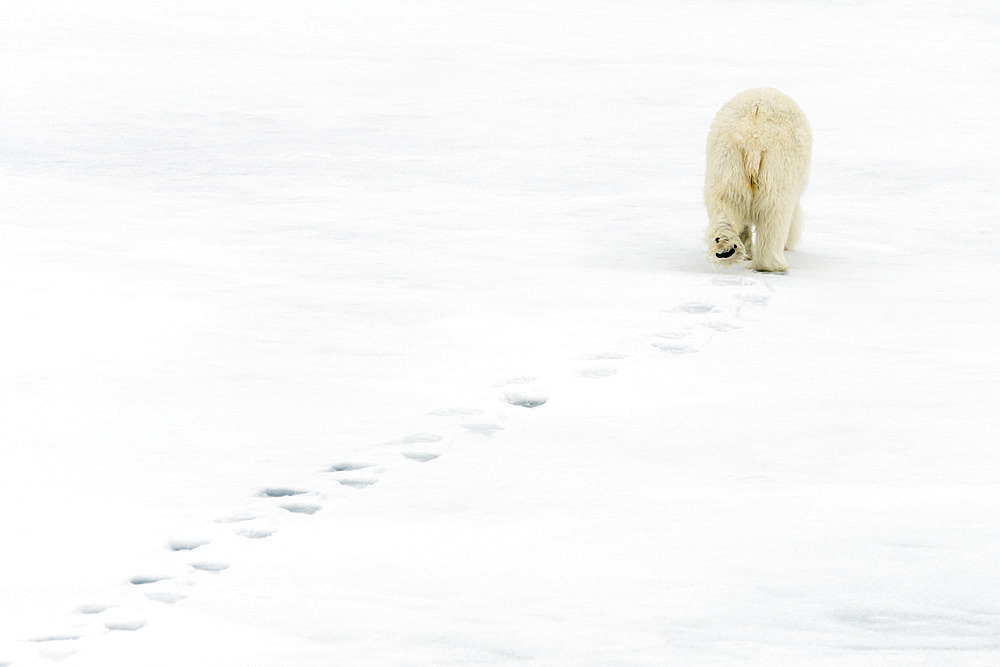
(757, 166)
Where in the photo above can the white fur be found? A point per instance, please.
(756, 169)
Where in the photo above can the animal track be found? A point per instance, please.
(93, 608)
(685, 334)
(186, 544)
(209, 566)
(301, 508)
(125, 625)
(732, 281)
(526, 400)
(421, 457)
(598, 372)
(256, 522)
(754, 299)
(674, 348)
(55, 647)
(256, 533)
(281, 492)
(364, 482)
(483, 429)
(358, 482)
(144, 579)
(602, 370)
(255, 528)
(166, 597)
(697, 308)
(687, 328)
(54, 638)
(669, 343)
(719, 326)
(349, 467)
(712, 316)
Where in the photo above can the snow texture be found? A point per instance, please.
(381, 333)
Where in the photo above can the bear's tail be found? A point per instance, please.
(752, 156)
(753, 147)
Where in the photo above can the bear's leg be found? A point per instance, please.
(727, 200)
(746, 237)
(795, 229)
(773, 225)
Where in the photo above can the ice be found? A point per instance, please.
(279, 281)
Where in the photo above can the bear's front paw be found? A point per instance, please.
(726, 250)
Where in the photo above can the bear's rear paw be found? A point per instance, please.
(726, 250)
(774, 267)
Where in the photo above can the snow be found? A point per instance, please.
(381, 333)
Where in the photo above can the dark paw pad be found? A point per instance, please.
(728, 253)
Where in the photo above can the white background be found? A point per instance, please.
(245, 242)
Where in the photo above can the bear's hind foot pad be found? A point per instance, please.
(727, 250)
(727, 253)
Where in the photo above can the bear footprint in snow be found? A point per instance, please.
(421, 457)
(526, 399)
(91, 608)
(209, 566)
(697, 308)
(671, 342)
(358, 482)
(186, 544)
(483, 429)
(146, 579)
(281, 492)
(301, 508)
(126, 624)
(598, 371)
(350, 466)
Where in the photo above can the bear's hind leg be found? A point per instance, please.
(746, 237)
(772, 232)
(795, 229)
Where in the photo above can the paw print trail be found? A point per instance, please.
(694, 324)
(193, 558)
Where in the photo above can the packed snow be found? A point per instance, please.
(383, 333)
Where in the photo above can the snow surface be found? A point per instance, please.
(381, 333)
